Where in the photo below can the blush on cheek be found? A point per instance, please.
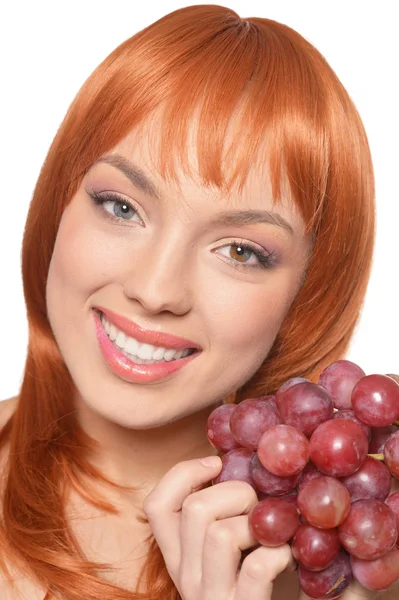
(79, 253)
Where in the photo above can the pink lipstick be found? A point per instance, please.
(120, 364)
(155, 338)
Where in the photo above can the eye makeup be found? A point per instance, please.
(263, 258)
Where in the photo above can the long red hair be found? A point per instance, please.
(298, 119)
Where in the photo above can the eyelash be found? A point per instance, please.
(267, 260)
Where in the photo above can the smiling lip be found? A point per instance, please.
(130, 371)
(155, 338)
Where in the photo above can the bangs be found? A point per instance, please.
(259, 94)
(258, 106)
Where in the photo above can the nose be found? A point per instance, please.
(159, 278)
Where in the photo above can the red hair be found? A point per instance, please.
(298, 119)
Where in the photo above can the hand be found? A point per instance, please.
(202, 532)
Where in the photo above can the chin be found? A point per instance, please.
(137, 411)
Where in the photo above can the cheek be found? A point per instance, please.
(82, 260)
(248, 316)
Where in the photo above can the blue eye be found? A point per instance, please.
(122, 208)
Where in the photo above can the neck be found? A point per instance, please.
(140, 458)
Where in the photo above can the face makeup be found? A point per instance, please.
(162, 297)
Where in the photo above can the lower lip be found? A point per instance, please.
(120, 364)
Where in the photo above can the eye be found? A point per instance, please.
(244, 255)
(115, 207)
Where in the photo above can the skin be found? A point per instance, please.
(168, 269)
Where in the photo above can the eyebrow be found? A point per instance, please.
(250, 217)
(132, 172)
(239, 218)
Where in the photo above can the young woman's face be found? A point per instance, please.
(190, 263)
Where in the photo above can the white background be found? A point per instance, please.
(48, 49)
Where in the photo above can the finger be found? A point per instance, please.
(354, 591)
(395, 377)
(200, 510)
(222, 553)
(163, 504)
(259, 570)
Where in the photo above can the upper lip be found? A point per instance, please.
(155, 338)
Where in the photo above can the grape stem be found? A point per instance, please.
(377, 456)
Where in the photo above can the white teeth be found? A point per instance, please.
(132, 346)
(138, 352)
(158, 354)
(121, 340)
(169, 354)
(145, 351)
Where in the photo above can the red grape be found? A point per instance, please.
(236, 466)
(283, 450)
(379, 436)
(267, 482)
(324, 493)
(315, 548)
(372, 480)
(375, 400)
(338, 447)
(304, 406)
(339, 379)
(379, 574)
(286, 386)
(349, 415)
(310, 472)
(218, 428)
(251, 418)
(391, 454)
(291, 497)
(370, 529)
(273, 521)
(324, 502)
(329, 583)
(393, 502)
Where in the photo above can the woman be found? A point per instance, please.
(208, 192)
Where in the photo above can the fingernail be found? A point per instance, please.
(211, 461)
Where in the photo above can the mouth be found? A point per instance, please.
(120, 355)
(141, 352)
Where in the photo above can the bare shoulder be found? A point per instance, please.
(23, 588)
(7, 408)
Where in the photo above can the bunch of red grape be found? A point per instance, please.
(323, 459)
